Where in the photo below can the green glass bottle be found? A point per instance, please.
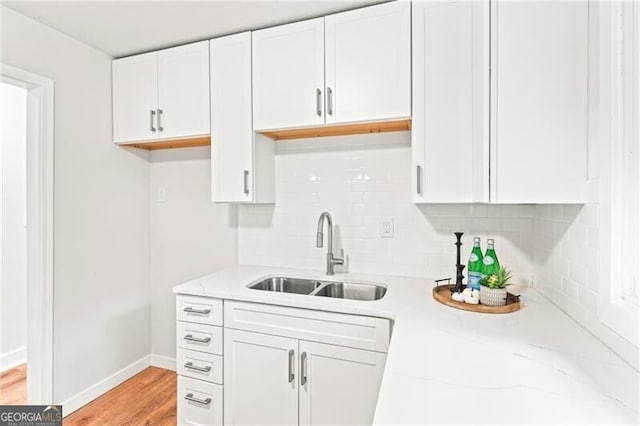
(490, 264)
(474, 267)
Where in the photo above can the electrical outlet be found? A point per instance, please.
(386, 227)
(162, 194)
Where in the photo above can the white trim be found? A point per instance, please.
(16, 357)
(105, 385)
(40, 151)
(619, 199)
(161, 361)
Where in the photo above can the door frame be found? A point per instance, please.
(40, 212)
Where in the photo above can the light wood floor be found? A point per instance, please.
(148, 398)
(13, 386)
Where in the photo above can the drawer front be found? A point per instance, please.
(325, 327)
(199, 337)
(202, 310)
(199, 403)
(200, 365)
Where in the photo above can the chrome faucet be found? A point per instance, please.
(331, 261)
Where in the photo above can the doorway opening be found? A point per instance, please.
(26, 237)
(13, 244)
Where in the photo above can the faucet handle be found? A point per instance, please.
(338, 260)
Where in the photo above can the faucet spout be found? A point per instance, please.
(331, 261)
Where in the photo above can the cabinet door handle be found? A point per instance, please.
(160, 128)
(191, 310)
(152, 114)
(190, 366)
(419, 180)
(290, 374)
(246, 182)
(319, 102)
(190, 338)
(190, 397)
(303, 369)
(329, 101)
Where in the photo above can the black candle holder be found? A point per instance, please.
(459, 267)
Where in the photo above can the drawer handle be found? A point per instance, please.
(190, 397)
(191, 310)
(190, 338)
(190, 366)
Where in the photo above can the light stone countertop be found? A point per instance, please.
(445, 365)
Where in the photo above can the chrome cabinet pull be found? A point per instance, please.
(152, 114)
(190, 338)
(319, 102)
(291, 374)
(160, 128)
(190, 397)
(419, 180)
(191, 310)
(246, 182)
(303, 369)
(190, 366)
(329, 101)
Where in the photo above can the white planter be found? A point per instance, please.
(493, 296)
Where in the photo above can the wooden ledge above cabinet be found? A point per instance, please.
(339, 130)
(171, 144)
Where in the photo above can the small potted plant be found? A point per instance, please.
(493, 288)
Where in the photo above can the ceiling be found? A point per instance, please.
(122, 28)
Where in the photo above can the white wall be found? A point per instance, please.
(13, 236)
(101, 264)
(360, 180)
(189, 237)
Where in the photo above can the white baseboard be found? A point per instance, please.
(13, 359)
(77, 401)
(161, 361)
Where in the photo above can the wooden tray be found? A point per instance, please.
(442, 293)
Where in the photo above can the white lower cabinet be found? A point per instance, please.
(276, 364)
(338, 385)
(260, 379)
(199, 402)
(270, 379)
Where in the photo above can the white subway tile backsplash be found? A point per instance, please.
(360, 180)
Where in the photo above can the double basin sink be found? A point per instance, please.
(310, 287)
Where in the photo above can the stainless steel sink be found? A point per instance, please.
(338, 290)
(286, 285)
(352, 291)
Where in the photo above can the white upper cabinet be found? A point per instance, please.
(161, 95)
(183, 90)
(242, 163)
(135, 98)
(500, 109)
(288, 75)
(362, 73)
(450, 130)
(539, 101)
(368, 63)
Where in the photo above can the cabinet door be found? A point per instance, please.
(135, 98)
(231, 130)
(338, 385)
(539, 101)
(288, 75)
(368, 63)
(260, 379)
(450, 129)
(183, 88)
